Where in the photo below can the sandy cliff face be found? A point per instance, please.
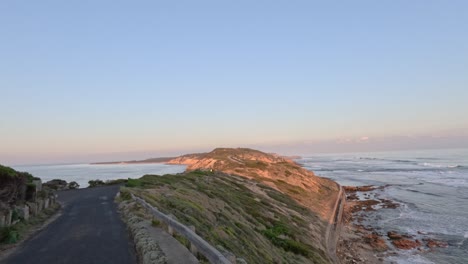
(285, 175)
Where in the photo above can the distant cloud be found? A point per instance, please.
(368, 144)
(344, 140)
(352, 140)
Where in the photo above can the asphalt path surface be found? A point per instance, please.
(89, 230)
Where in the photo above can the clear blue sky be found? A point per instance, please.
(81, 80)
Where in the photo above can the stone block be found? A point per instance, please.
(40, 205)
(232, 259)
(23, 211)
(193, 249)
(38, 184)
(32, 209)
(8, 216)
(46, 203)
(2, 219)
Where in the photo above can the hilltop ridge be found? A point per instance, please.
(280, 173)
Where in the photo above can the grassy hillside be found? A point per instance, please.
(279, 173)
(252, 220)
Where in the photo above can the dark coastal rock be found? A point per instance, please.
(365, 205)
(406, 244)
(366, 188)
(433, 243)
(389, 204)
(394, 235)
(352, 197)
(376, 242)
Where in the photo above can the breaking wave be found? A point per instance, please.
(435, 165)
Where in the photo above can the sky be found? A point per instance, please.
(103, 80)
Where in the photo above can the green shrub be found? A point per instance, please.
(184, 241)
(134, 183)
(29, 177)
(42, 194)
(9, 235)
(7, 171)
(256, 164)
(95, 183)
(202, 172)
(279, 236)
(118, 181)
(155, 222)
(125, 195)
(14, 216)
(296, 247)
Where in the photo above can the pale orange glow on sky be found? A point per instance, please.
(160, 79)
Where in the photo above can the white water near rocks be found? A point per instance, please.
(82, 173)
(431, 186)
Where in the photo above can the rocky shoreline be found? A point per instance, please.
(361, 242)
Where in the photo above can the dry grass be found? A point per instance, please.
(251, 220)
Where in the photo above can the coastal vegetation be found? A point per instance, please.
(14, 186)
(235, 214)
(260, 207)
(23, 228)
(24, 205)
(96, 183)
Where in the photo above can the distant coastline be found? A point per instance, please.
(151, 160)
(169, 160)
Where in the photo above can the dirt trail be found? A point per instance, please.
(333, 229)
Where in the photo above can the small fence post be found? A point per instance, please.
(170, 230)
(193, 248)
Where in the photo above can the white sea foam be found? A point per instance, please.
(427, 164)
(435, 165)
(410, 259)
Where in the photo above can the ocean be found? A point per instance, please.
(82, 173)
(431, 187)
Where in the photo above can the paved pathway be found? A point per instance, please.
(175, 252)
(88, 231)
